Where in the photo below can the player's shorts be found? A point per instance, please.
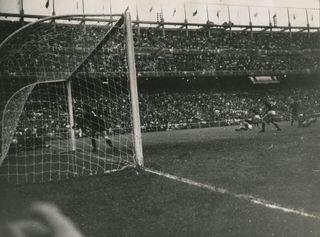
(256, 119)
(105, 135)
(269, 116)
(294, 115)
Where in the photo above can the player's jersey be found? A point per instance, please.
(270, 106)
(92, 121)
(294, 106)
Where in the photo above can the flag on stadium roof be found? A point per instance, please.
(294, 16)
(195, 12)
(256, 14)
(174, 12)
(150, 10)
(218, 14)
(47, 4)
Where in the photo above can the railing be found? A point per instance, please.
(137, 23)
(197, 125)
(222, 73)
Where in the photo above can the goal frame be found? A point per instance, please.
(132, 77)
(132, 74)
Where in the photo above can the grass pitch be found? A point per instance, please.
(281, 167)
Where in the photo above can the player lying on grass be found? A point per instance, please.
(245, 125)
(269, 115)
(305, 121)
(251, 122)
(90, 119)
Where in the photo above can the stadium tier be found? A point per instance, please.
(170, 52)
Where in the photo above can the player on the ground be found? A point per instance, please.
(294, 111)
(92, 120)
(245, 125)
(305, 121)
(255, 118)
(269, 115)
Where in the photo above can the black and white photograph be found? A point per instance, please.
(159, 118)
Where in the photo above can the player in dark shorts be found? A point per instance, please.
(269, 116)
(294, 112)
(95, 123)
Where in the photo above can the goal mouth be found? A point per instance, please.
(66, 99)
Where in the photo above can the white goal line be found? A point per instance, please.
(250, 198)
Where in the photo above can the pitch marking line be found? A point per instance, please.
(246, 197)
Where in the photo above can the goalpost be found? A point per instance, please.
(134, 92)
(69, 100)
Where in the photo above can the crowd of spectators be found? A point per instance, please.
(227, 62)
(48, 116)
(223, 39)
(49, 52)
(7, 28)
(174, 51)
(203, 108)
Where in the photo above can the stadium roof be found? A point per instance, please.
(195, 11)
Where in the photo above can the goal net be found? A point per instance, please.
(66, 100)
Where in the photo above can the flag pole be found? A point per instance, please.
(288, 13)
(289, 23)
(162, 18)
(137, 13)
(53, 8)
(162, 21)
(111, 17)
(269, 17)
(53, 14)
(185, 19)
(270, 23)
(84, 22)
(137, 18)
(250, 21)
(229, 17)
(208, 19)
(230, 27)
(21, 12)
(308, 25)
(185, 13)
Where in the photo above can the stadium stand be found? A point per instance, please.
(177, 110)
(172, 51)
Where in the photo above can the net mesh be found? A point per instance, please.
(50, 70)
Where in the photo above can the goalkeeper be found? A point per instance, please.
(90, 119)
